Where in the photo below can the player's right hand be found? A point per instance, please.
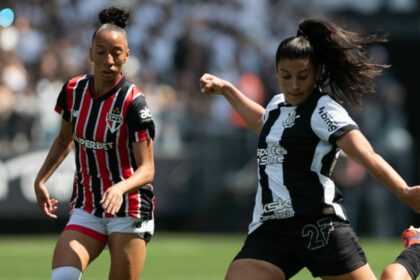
(210, 84)
(47, 205)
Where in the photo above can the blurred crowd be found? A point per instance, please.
(205, 156)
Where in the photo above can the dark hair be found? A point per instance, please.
(341, 56)
(112, 19)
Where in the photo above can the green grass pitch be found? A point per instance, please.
(171, 256)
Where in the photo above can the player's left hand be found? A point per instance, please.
(112, 200)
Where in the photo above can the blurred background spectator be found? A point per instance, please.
(205, 158)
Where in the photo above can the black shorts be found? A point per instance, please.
(326, 246)
(409, 258)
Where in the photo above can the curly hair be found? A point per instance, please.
(112, 19)
(341, 55)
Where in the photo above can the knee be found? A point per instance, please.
(66, 273)
(395, 272)
(387, 273)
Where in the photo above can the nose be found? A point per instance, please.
(295, 84)
(109, 60)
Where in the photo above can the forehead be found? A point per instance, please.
(293, 65)
(110, 38)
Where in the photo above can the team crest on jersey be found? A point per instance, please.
(290, 120)
(114, 120)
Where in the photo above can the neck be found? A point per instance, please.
(101, 87)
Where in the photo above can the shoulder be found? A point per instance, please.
(77, 81)
(275, 101)
(328, 104)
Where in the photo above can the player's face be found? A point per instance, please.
(297, 78)
(108, 53)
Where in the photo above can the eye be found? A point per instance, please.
(286, 77)
(303, 77)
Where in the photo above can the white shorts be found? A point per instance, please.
(100, 228)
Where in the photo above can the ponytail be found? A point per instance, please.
(342, 55)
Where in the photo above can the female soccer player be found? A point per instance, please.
(106, 119)
(298, 220)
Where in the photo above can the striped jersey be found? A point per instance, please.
(296, 155)
(104, 129)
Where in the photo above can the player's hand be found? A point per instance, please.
(47, 205)
(412, 198)
(210, 84)
(112, 200)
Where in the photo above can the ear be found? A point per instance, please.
(127, 56)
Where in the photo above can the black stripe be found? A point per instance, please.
(306, 191)
(328, 161)
(77, 100)
(273, 115)
(90, 131)
(146, 203)
(111, 137)
(97, 196)
(80, 194)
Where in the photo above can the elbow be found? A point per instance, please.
(150, 175)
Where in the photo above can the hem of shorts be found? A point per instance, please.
(89, 232)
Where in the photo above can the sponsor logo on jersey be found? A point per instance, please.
(114, 120)
(290, 120)
(145, 113)
(94, 145)
(279, 209)
(327, 118)
(273, 154)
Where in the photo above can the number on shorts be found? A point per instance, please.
(318, 234)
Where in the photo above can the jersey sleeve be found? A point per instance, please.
(139, 120)
(61, 105)
(330, 120)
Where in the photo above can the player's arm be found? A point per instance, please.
(144, 174)
(358, 148)
(59, 150)
(250, 111)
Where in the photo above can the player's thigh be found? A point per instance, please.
(128, 253)
(363, 273)
(76, 249)
(251, 269)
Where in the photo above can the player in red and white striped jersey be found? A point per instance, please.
(105, 118)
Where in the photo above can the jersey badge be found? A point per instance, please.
(290, 120)
(114, 120)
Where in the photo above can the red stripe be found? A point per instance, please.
(79, 131)
(100, 134)
(142, 135)
(89, 232)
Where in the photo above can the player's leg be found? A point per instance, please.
(74, 250)
(127, 241)
(80, 243)
(395, 271)
(128, 253)
(250, 269)
(407, 264)
(336, 254)
(364, 272)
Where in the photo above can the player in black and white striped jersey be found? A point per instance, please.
(298, 219)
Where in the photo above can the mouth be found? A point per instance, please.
(108, 72)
